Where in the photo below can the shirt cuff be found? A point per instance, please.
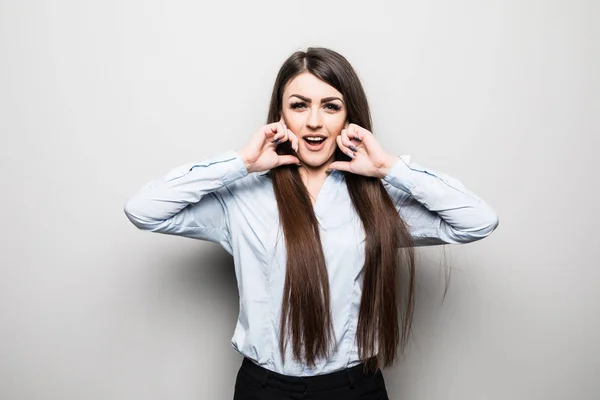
(399, 175)
(236, 167)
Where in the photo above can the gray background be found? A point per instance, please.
(97, 98)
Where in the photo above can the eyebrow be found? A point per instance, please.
(325, 100)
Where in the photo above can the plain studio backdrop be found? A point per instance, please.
(98, 98)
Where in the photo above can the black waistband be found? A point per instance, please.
(332, 380)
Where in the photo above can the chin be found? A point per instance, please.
(316, 160)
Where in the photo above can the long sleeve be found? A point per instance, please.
(187, 200)
(437, 208)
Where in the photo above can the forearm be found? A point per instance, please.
(462, 216)
(166, 196)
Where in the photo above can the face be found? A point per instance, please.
(315, 111)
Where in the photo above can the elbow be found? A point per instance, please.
(491, 227)
(489, 223)
(486, 227)
(133, 213)
(481, 230)
(494, 222)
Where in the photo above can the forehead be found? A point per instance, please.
(308, 85)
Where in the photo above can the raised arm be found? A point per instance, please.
(190, 200)
(187, 201)
(437, 208)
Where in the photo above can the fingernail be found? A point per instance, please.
(356, 138)
(353, 148)
(275, 141)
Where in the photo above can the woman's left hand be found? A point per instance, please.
(368, 158)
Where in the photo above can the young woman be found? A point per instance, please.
(320, 219)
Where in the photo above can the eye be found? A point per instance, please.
(333, 107)
(297, 105)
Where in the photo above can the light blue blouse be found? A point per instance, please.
(218, 200)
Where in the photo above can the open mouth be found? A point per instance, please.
(314, 143)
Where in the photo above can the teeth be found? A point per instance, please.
(315, 139)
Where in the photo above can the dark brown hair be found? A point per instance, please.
(388, 245)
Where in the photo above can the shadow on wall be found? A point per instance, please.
(204, 276)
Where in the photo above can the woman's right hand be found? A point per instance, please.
(260, 155)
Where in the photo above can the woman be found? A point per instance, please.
(319, 219)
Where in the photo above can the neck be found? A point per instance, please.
(308, 172)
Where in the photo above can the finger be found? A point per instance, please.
(344, 149)
(294, 139)
(270, 130)
(282, 121)
(284, 131)
(286, 159)
(346, 141)
(280, 135)
(340, 166)
(355, 132)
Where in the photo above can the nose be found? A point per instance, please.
(313, 121)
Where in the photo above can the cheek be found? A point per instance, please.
(335, 123)
(294, 121)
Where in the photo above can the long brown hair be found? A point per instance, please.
(388, 245)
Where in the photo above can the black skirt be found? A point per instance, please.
(254, 382)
